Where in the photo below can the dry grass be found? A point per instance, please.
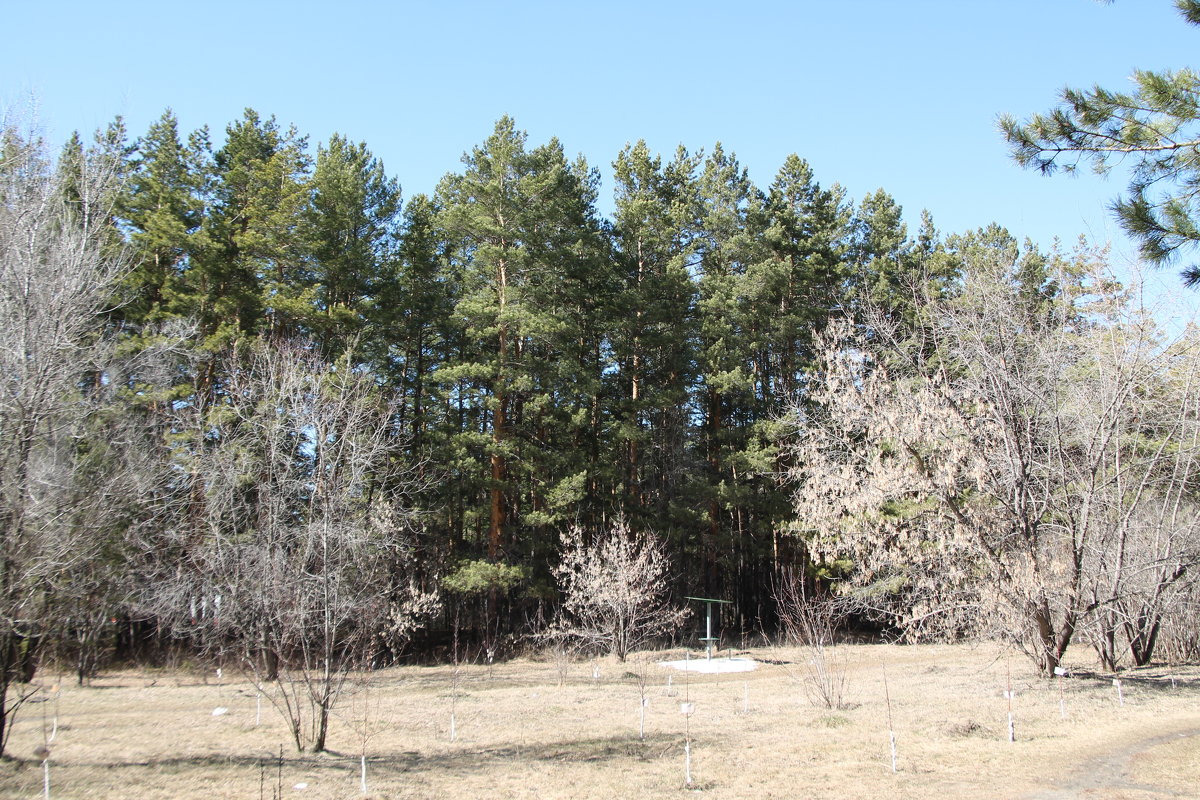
(147, 734)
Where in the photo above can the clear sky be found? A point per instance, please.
(873, 93)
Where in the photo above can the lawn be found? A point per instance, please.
(541, 728)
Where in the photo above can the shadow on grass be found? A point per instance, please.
(1155, 679)
(459, 761)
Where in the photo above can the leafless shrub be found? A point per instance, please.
(1143, 576)
(812, 621)
(614, 590)
(1180, 640)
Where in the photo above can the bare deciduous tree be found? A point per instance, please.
(57, 275)
(1141, 565)
(297, 559)
(977, 479)
(614, 590)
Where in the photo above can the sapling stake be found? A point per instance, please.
(454, 681)
(363, 713)
(1012, 731)
(687, 708)
(43, 752)
(643, 700)
(1120, 694)
(887, 696)
(55, 692)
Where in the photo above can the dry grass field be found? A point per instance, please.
(545, 729)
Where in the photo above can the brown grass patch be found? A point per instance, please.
(520, 735)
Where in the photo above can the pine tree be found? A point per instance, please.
(412, 317)
(529, 248)
(1154, 130)
(793, 291)
(415, 341)
(351, 226)
(879, 252)
(654, 344)
(163, 208)
(802, 282)
(256, 273)
(729, 226)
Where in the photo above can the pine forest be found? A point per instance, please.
(259, 406)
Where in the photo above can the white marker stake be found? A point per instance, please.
(453, 731)
(687, 708)
(887, 696)
(1061, 673)
(1012, 731)
(1120, 695)
(363, 773)
(746, 697)
(258, 709)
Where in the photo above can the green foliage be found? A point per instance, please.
(351, 227)
(255, 275)
(532, 278)
(545, 366)
(163, 206)
(1153, 130)
(480, 577)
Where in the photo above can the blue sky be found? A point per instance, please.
(898, 95)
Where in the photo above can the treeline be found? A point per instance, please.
(256, 404)
(551, 366)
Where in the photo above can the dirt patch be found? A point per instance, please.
(1163, 765)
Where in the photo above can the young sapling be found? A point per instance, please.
(887, 697)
